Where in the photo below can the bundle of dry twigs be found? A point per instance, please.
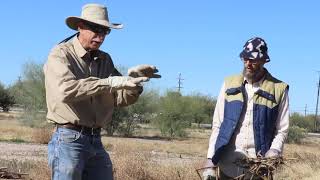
(257, 168)
(5, 174)
(260, 167)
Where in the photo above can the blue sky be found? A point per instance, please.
(199, 39)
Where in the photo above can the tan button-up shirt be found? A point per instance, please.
(75, 90)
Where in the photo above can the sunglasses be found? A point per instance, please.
(97, 29)
(253, 61)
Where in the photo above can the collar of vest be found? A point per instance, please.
(234, 91)
(238, 84)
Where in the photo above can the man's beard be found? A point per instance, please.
(253, 77)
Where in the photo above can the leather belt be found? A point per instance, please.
(81, 129)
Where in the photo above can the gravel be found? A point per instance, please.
(23, 151)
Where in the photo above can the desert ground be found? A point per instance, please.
(146, 156)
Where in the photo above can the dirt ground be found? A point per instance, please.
(23, 151)
(143, 157)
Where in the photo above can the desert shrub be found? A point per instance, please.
(172, 119)
(200, 108)
(129, 125)
(125, 120)
(33, 119)
(306, 122)
(296, 134)
(117, 117)
(29, 92)
(6, 100)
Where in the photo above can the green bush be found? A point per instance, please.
(6, 100)
(177, 112)
(296, 134)
(125, 120)
(29, 92)
(200, 108)
(306, 122)
(33, 118)
(172, 118)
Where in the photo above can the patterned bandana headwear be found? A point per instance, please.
(255, 48)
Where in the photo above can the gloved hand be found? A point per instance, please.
(124, 82)
(135, 91)
(144, 70)
(209, 172)
(272, 153)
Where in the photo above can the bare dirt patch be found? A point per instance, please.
(23, 151)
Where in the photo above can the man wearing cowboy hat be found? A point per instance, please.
(251, 117)
(82, 89)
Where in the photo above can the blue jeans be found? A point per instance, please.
(76, 156)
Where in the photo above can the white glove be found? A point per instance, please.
(272, 153)
(144, 70)
(208, 173)
(123, 82)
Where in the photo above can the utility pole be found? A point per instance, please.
(305, 111)
(316, 116)
(179, 83)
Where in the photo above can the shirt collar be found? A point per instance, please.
(256, 84)
(80, 51)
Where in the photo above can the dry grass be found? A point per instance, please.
(131, 164)
(152, 158)
(185, 147)
(8, 115)
(11, 130)
(307, 164)
(42, 135)
(142, 159)
(177, 159)
(35, 170)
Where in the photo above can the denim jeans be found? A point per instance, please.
(76, 156)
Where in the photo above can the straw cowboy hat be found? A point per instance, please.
(94, 13)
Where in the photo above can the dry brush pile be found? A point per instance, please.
(5, 174)
(261, 167)
(29, 170)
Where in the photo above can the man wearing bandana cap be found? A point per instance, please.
(251, 117)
